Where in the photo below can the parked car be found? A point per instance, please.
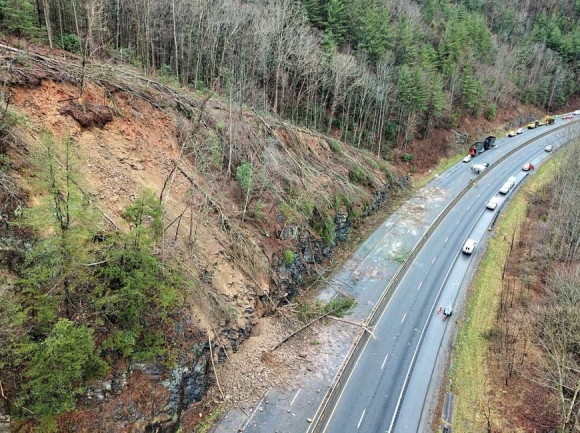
(478, 168)
(577, 113)
(569, 116)
(467, 158)
(512, 133)
(512, 180)
(492, 203)
(469, 246)
(520, 131)
(528, 166)
(505, 188)
(549, 148)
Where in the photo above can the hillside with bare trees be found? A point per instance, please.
(144, 232)
(375, 73)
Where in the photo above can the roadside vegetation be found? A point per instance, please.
(515, 365)
(84, 295)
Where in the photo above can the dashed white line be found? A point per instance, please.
(457, 223)
(405, 315)
(435, 258)
(447, 239)
(385, 361)
(361, 418)
(479, 196)
(292, 402)
(420, 284)
(468, 207)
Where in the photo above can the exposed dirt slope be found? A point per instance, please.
(248, 250)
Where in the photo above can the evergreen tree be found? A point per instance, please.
(59, 367)
(471, 90)
(314, 11)
(17, 16)
(337, 20)
(329, 43)
(406, 46)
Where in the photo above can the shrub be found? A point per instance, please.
(357, 174)
(491, 112)
(258, 211)
(244, 176)
(289, 257)
(324, 225)
(59, 366)
(407, 157)
(70, 43)
(335, 146)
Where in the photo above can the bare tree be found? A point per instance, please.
(558, 334)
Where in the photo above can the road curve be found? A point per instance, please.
(374, 395)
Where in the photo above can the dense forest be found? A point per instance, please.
(377, 73)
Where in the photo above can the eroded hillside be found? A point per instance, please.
(252, 207)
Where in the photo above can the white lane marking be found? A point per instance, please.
(435, 258)
(447, 239)
(420, 284)
(468, 207)
(479, 196)
(457, 223)
(385, 361)
(361, 418)
(405, 315)
(292, 402)
(398, 405)
(255, 410)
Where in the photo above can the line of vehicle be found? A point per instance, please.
(319, 414)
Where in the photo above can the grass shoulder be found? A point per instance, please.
(469, 372)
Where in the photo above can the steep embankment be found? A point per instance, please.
(252, 207)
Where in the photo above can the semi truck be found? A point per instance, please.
(482, 146)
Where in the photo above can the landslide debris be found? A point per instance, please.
(252, 207)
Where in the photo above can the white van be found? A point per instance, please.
(492, 203)
(469, 246)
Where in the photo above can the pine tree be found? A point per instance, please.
(371, 30)
(17, 17)
(314, 11)
(60, 366)
(406, 47)
(471, 90)
(337, 20)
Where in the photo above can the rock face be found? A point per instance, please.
(312, 250)
(148, 396)
(88, 115)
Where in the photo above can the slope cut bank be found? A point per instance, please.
(252, 208)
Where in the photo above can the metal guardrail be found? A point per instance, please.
(363, 336)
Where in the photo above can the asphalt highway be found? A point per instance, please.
(375, 395)
(385, 391)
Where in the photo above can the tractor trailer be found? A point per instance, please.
(482, 146)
